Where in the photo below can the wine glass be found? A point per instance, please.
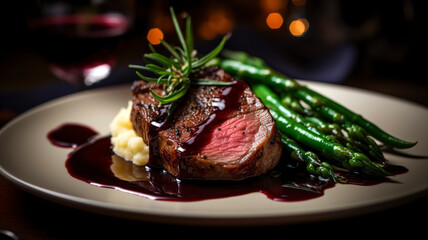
(79, 38)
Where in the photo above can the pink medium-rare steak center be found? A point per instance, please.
(233, 138)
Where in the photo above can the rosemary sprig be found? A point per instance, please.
(175, 71)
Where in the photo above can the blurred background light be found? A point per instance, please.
(95, 74)
(274, 20)
(217, 22)
(299, 27)
(154, 36)
(272, 5)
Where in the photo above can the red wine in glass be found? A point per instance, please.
(80, 48)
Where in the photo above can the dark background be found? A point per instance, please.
(374, 45)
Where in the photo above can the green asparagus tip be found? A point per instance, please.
(327, 173)
(405, 144)
(360, 161)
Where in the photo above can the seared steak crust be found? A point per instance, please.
(214, 132)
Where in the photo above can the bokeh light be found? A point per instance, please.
(154, 36)
(299, 27)
(274, 20)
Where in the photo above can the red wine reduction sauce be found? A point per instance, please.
(71, 135)
(91, 161)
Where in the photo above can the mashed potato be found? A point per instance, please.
(125, 142)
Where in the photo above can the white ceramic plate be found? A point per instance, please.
(30, 161)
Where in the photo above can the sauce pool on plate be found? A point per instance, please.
(91, 161)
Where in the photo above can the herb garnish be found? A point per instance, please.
(175, 71)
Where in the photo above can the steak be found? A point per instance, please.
(213, 132)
